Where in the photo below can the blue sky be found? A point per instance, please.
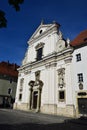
(70, 14)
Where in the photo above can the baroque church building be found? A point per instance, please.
(45, 80)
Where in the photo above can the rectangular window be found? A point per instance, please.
(20, 97)
(39, 54)
(62, 96)
(80, 77)
(9, 91)
(78, 57)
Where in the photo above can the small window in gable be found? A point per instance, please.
(40, 31)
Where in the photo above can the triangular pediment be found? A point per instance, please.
(40, 31)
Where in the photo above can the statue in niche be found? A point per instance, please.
(61, 73)
(37, 79)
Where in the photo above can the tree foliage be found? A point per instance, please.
(16, 5)
(3, 21)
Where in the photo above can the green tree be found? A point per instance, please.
(16, 5)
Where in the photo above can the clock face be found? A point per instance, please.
(61, 45)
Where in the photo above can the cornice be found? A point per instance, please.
(50, 60)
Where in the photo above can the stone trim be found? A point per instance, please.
(54, 57)
(22, 106)
(61, 100)
(44, 34)
(68, 110)
(49, 65)
(40, 45)
(49, 108)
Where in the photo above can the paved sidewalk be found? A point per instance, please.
(22, 120)
(17, 117)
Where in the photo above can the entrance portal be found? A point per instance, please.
(35, 96)
(35, 92)
(82, 105)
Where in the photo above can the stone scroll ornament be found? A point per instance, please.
(37, 81)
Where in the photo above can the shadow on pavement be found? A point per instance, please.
(78, 124)
(81, 121)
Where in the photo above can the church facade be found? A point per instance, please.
(45, 80)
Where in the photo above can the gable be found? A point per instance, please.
(40, 31)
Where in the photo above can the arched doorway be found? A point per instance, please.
(35, 96)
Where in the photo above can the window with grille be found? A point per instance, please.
(62, 96)
(78, 57)
(80, 77)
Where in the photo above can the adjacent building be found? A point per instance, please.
(8, 83)
(49, 74)
(79, 63)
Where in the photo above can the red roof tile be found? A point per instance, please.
(80, 39)
(8, 69)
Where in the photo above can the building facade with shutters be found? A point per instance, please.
(8, 84)
(45, 80)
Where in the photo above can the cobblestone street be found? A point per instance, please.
(20, 120)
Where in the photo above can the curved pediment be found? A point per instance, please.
(40, 45)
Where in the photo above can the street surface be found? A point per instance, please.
(20, 120)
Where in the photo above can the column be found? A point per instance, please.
(39, 99)
(30, 97)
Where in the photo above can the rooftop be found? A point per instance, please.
(9, 69)
(80, 39)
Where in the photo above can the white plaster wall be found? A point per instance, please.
(17, 90)
(80, 67)
(43, 30)
(68, 79)
(48, 76)
(49, 88)
(25, 96)
(49, 47)
(51, 85)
